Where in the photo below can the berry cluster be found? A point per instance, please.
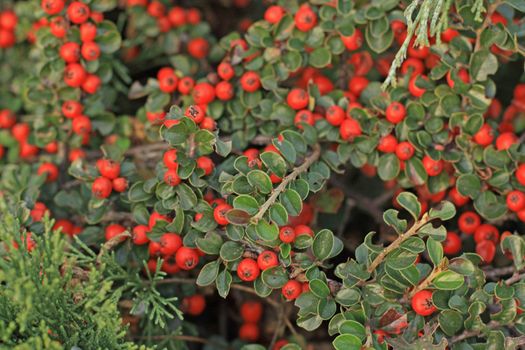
(8, 21)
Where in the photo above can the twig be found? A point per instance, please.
(473, 333)
(427, 281)
(496, 273)
(113, 242)
(188, 338)
(485, 24)
(395, 244)
(286, 180)
(516, 277)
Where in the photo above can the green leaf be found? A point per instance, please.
(354, 328)
(435, 250)
(347, 342)
(275, 277)
(274, 162)
(231, 251)
(188, 198)
(278, 214)
(482, 64)
(223, 282)
(388, 167)
(443, 211)
(238, 217)
(468, 185)
(292, 201)
(323, 244)
(319, 288)
(260, 180)
(410, 202)
(517, 4)
(320, 57)
(246, 203)
(448, 280)
(267, 231)
(415, 171)
(490, 206)
(208, 273)
(210, 244)
(450, 321)
(391, 218)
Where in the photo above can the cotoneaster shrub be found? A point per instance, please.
(243, 150)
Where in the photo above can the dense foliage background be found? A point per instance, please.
(262, 174)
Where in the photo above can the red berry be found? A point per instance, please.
(65, 225)
(219, 213)
(76, 154)
(154, 217)
(387, 144)
(108, 168)
(487, 250)
(7, 119)
(225, 71)
(88, 32)
(432, 167)
(486, 232)
(292, 289)
(171, 177)
(305, 18)
(194, 305)
(193, 15)
(273, 14)
(484, 136)
(170, 159)
(335, 115)
(248, 270)
(251, 311)
(91, 84)
(156, 9)
(452, 244)
(52, 7)
(203, 93)
(267, 259)
(81, 125)
(196, 113)
(78, 12)
(303, 230)
(422, 303)
(249, 332)
(113, 231)
(224, 91)
(304, 116)
(186, 258)
(58, 27)
(7, 38)
(101, 187)
(51, 171)
(186, 85)
(38, 211)
(516, 200)
(349, 129)
(468, 222)
(395, 112)
(357, 84)
(139, 235)
(72, 109)
(414, 89)
(353, 42)
(462, 74)
(250, 81)
(70, 52)
(287, 234)
(120, 184)
(457, 198)
(170, 243)
(74, 75)
(177, 16)
(198, 48)
(298, 99)
(520, 174)
(506, 140)
(206, 164)
(20, 131)
(90, 51)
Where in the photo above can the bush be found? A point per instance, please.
(156, 158)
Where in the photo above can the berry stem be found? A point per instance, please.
(395, 244)
(286, 180)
